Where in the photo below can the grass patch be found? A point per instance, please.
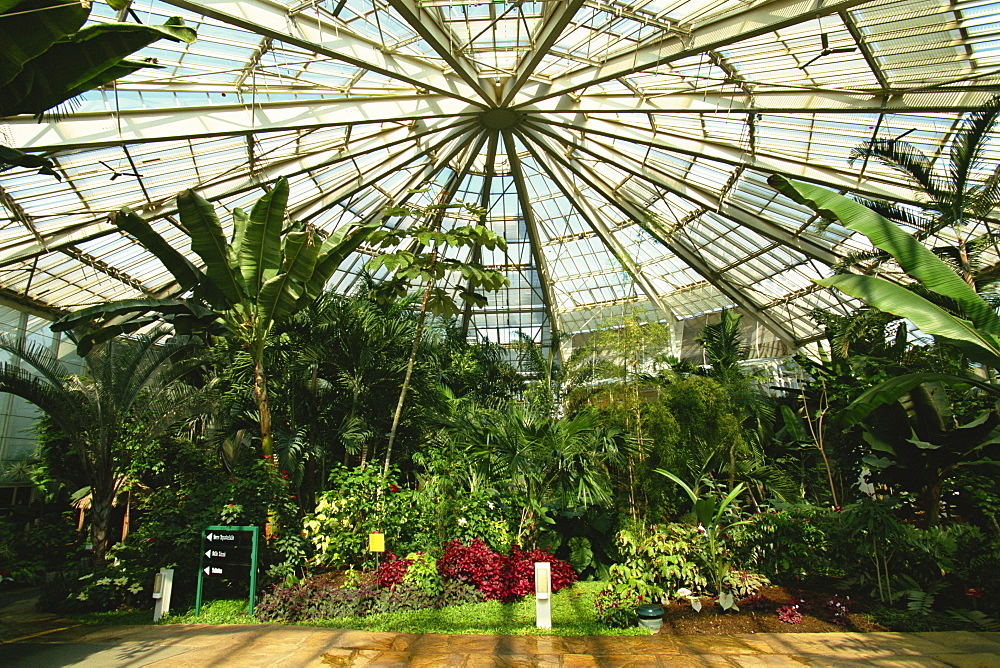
(114, 618)
(222, 611)
(573, 614)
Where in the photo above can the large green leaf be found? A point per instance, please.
(892, 389)
(32, 27)
(930, 318)
(129, 307)
(70, 67)
(281, 295)
(913, 257)
(334, 251)
(260, 249)
(183, 271)
(11, 157)
(199, 219)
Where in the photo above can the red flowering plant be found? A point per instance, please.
(501, 577)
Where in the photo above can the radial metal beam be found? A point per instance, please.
(730, 155)
(553, 164)
(484, 203)
(459, 138)
(636, 212)
(534, 239)
(443, 41)
(270, 18)
(702, 197)
(787, 101)
(550, 28)
(229, 186)
(736, 26)
(136, 126)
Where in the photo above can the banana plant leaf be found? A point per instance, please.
(183, 271)
(332, 254)
(280, 295)
(130, 307)
(913, 257)
(75, 64)
(11, 157)
(891, 390)
(260, 249)
(32, 28)
(929, 317)
(199, 219)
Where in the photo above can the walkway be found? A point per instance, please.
(31, 639)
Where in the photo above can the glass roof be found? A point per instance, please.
(622, 148)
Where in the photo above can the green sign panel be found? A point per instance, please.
(228, 553)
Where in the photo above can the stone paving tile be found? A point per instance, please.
(910, 662)
(970, 660)
(755, 660)
(502, 661)
(693, 661)
(721, 645)
(965, 641)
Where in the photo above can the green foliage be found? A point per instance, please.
(49, 57)
(795, 544)
(423, 573)
(710, 511)
(351, 509)
(655, 563)
(574, 613)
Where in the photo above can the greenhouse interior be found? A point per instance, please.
(695, 301)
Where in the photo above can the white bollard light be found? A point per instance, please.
(543, 597)
(163, 585)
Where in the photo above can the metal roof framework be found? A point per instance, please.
(622, 148)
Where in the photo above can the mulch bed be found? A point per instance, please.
(760, 615)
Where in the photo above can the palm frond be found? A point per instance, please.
(982, 200)
(895, 212)
(38, 356)
(906, 159)
(969, 143)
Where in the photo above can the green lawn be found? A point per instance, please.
(573, 614)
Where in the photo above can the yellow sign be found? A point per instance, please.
(376, 542)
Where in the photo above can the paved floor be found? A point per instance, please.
(31, 639)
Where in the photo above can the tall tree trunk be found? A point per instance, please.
(260, 392)
(101, 497)
(406, 379)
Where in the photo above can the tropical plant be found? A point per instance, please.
(258, 278)
(957, 197)
(544, 461)
(130, 389)
(429, 266)
(49, 57)
(710, 510)
(974, 331)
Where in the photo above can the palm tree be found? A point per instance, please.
(130, 389)
(960, 197)
(250, 283)
(545, 461)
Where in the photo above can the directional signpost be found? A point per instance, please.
(228, 553)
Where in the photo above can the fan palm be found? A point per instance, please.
(130, 389)
(545, 460)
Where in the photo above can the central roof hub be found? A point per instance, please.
(499, 119)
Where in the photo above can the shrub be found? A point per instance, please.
(391, 573)
(795, 543)
(499, 577)
(422, 573)
(616, 606)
